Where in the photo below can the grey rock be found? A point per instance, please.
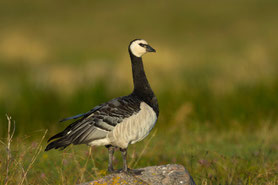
(172, 174)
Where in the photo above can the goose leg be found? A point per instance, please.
(125, 168)
(124, 154)
(110, 152)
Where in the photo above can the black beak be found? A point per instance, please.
(150, 49)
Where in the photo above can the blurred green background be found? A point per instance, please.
(218, 59)
(214, 73)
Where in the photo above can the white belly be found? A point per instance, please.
(134, 128)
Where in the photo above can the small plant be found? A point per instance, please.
(15, 171)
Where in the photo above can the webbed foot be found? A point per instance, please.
(130, 171)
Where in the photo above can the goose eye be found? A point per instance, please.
(143, 45)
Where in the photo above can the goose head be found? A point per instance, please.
(139, 47)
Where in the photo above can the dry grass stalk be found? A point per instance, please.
(95, 169)
(8, 147)
(38, 150)
(144, 149)
(82, 170)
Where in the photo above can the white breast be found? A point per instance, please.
(134, 128)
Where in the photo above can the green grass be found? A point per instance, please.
(234, 156)
(214, 73)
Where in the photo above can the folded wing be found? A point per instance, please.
(95, 124)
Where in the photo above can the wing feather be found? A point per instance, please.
(96, 123)
(82, 114)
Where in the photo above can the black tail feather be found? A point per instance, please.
(60, 134)
(58, 144)
(67, 129)
(64, 139)
(76, 133)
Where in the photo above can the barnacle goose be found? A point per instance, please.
(118, 122)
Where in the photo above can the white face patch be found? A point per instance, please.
(136, 49)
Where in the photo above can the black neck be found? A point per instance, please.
(142, 88)
(140, 81)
